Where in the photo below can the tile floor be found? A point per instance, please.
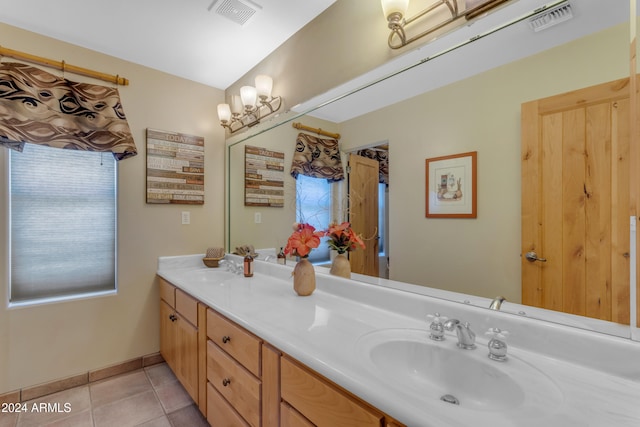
(149, 397)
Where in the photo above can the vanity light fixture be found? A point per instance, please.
(252, 105)
(436, 16)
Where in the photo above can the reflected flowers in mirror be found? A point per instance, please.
(342, 238)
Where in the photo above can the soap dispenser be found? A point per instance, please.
(282, 258)
(248, 265)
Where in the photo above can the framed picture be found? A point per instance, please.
(451, 186)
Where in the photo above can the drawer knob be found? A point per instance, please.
(226, 382)
(226, 339)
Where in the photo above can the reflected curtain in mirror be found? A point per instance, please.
(41, 108)
(317, 158)
(382, 157)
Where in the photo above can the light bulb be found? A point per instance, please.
(224, 113)
(248, 95)
(264, 84)
(394, 6)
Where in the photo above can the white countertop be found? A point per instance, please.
(597, 376)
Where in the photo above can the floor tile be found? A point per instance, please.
(55, 407)
(81, 419)
(131, 411)
(9, 419)
(158, 422)
(173, 396)
(160, 374)
(120, 387)
(188, 417)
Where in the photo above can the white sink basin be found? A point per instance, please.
(465, 379)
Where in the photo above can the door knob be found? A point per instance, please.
(532, 257)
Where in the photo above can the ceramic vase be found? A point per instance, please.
(341, 266)
(304, 278)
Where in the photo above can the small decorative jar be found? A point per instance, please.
(304, 277)
(341, 266)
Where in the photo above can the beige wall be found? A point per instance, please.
(345, 41)
(474, 256)
(43, 343)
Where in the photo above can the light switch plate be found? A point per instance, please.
(186, 217)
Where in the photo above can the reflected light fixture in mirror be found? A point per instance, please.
(440, 13)
(253, 105)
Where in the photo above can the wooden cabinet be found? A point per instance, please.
(240, 381)
(179, 336)
(234, 372)
(321, 402)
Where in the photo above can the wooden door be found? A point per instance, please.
(575, 202)
(363, 213)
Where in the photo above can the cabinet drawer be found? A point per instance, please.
(291, 418)
(321, 402)
(167, 292)
(187, 307)
(240, 344)
(235, 384)
(219, 413)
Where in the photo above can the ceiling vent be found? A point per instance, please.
(551, 17)
(235, 10)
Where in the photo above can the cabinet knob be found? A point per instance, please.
(172, 317)
(226, 382)
(226, 339)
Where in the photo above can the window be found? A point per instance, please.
(62, 223)
(313, 206)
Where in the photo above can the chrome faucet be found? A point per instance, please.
(232, 266)
(497, 303)
(466, 337)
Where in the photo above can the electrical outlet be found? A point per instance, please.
(186, 217)
(257, 217)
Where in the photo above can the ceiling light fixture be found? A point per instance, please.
(441, 12)
(252, 105)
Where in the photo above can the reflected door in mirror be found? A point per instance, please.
(575, 202)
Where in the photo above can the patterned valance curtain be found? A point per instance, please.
(382, 156)
(40, 108)
(317, 158)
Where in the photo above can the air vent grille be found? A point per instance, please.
(235, 10)
(551, 17)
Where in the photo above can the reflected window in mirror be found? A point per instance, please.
(313, 206)
(383, 217)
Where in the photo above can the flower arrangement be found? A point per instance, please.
(342, 238)
(303, 239)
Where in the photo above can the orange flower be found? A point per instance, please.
(303, 240)
(343, 238)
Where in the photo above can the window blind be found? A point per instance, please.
(63, 223)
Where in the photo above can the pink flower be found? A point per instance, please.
(343, 238)
(302, 240)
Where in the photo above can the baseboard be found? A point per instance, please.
(34, 392)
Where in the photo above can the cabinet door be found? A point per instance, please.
(167, 334)
(187, 356)
(321, 402)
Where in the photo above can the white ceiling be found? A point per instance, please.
(179, 37)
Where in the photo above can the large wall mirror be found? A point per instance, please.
(457, 94)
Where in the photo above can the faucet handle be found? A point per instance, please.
(497, 344)
(436, 326)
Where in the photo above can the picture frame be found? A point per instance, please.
(451, 186)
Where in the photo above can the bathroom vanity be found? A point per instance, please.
(357, 354)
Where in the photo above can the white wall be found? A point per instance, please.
(49, 342)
